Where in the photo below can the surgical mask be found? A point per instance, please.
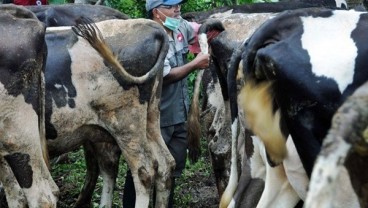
(171, 23)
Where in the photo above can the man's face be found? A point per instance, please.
(164, 11)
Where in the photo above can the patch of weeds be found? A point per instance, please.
(70, 176)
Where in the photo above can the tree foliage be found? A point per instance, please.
(136, 8)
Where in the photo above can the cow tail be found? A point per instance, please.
(194, 126)
(228, 194)
(41, 119)
(86, 29)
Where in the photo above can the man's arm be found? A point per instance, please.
(201, 61)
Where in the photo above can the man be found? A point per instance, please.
(174, 99)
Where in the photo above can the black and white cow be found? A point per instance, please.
(67, 14)
(23, 166)
(84, 96)
(297, 72)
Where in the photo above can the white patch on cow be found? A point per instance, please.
(340, 3)
(60, 28)
(331, 50)
(258, 162)
(215, 97)
(59, 86)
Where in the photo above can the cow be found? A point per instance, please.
(254, 169)
(101, 151)
(67, 14)
(294, 83)
(83, 95)
(345, 144)
(218, 146)
(230, 44)
(24, 169)
(267, 7)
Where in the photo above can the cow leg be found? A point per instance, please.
(219, 147)
(295, 171)
(166, 162)
(108, 155)
(131, 137)
(253, 174)
(85, 196)
(14, 193)
(278, 192)
(25, 155)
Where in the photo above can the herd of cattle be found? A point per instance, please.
(281, 80)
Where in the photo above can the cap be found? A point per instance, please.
(150, 4)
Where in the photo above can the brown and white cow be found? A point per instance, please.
(23, 169)
(84, 96)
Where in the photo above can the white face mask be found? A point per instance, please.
(170, 22)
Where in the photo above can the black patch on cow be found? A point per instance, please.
(137, 60)
(59, 87)
(359, 35)
(249, 146)
(21, 168)
(222, 48)
(66, 15)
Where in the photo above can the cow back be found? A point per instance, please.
(67, 14)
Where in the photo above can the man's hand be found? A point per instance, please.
(211, 27)
(202, 61)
